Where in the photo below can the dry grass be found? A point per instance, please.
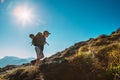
(21, 73)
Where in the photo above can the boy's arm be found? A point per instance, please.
(46, 43)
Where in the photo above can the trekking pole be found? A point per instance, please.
(47, 43)
(30, 43)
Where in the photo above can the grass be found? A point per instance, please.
(26, 73)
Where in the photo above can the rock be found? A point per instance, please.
(118, 30)
(103, 36)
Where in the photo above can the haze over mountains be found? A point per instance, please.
(11, 60)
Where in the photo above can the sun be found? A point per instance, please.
(24, 15)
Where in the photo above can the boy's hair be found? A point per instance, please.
(46, 32)
(31, 35)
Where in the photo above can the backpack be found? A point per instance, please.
(38, 39)
(39, 35)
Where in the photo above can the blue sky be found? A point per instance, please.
(69, 21)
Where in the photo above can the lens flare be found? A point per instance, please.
(23, 14)
(2, 1)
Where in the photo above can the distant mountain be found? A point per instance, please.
(11, 60)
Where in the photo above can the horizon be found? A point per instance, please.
(17, 57)
(68, 22)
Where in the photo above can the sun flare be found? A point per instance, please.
(23, 14)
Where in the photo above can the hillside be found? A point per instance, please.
(95, 59)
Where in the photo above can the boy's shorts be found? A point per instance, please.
(39, 52)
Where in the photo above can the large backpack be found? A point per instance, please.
(38, 39)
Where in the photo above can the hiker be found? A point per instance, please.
(39, 41)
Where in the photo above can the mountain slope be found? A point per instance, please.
(95, 59)
(11, 60)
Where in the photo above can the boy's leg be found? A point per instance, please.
(37, 61)
(38, 57)
(41, 52)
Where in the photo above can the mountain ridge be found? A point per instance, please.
(94, 59)
(12, 60)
